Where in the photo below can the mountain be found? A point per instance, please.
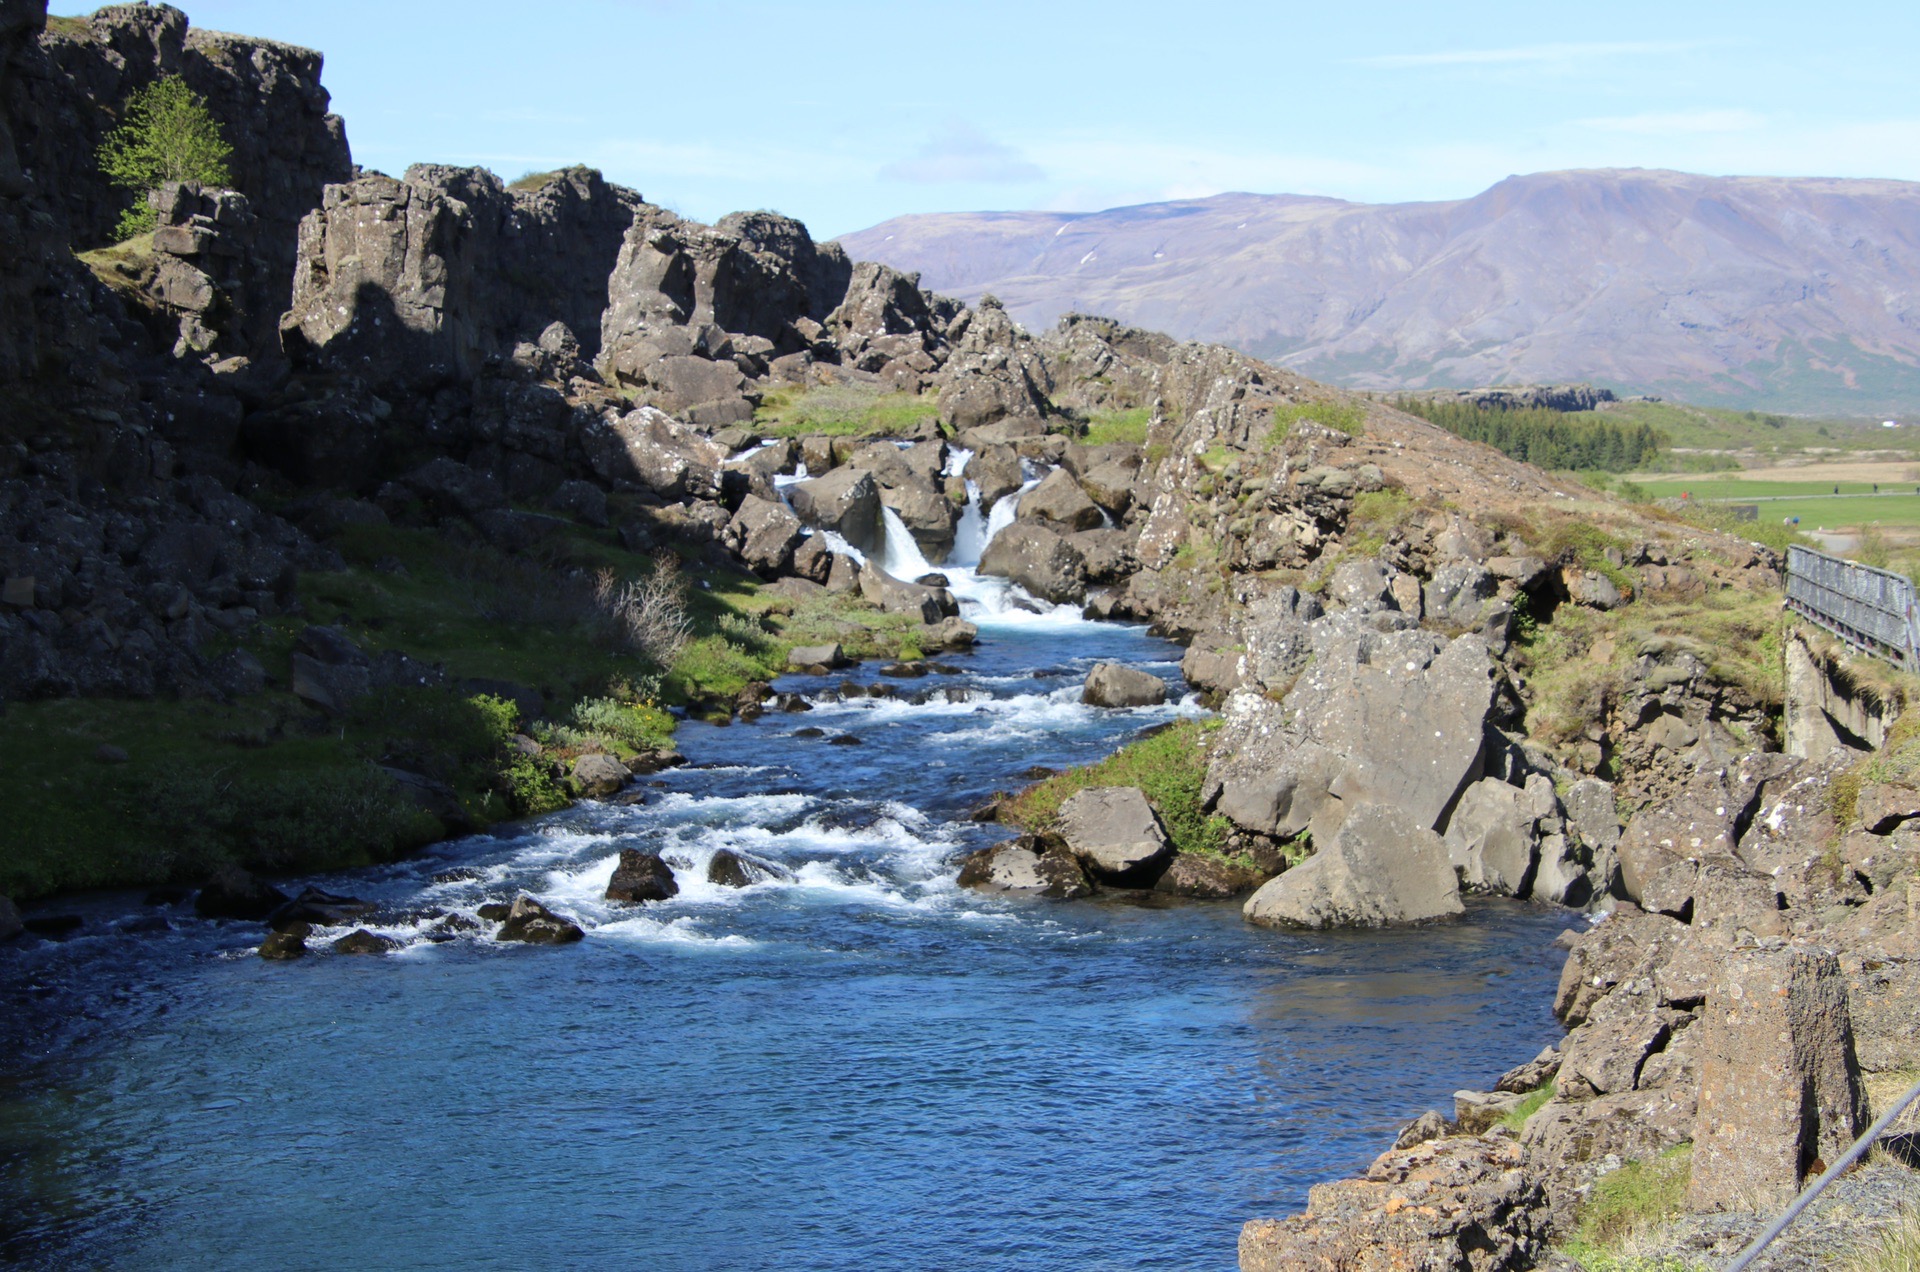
(1783, 293)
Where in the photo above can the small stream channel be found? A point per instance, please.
(855, 1066)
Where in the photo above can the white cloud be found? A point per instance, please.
(1684, 121)
(1531, 54)
(961, 153)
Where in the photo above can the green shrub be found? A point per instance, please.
(635, 727)
(167, 134)
(1339, 416)
(1168, 767)
(355, 815)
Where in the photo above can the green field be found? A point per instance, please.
(1710, 428)
(1813, 502)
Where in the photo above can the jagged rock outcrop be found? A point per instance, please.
(266, 95)
(415, 282)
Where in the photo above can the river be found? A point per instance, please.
(858, 1066)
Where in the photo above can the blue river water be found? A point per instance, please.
(857, 1066)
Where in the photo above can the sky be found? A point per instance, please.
(846, 113)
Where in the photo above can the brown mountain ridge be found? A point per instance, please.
(1794, 294)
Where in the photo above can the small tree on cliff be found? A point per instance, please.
(167, 134)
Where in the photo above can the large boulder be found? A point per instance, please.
(1038, 560)
(599, 776)
(1779, 1085)
(765, 535)
(1396, 718)
(10, 925)
(650, 449)
(699, 390)
(641, 876)
(1038, 864)
(845, 501)
(1114, 831)
(1457, 594)
(1117, 685)
(1059, 501)
(1381, 867)
(996, 471)
(1207, 878)
(897, 596)
(1492, 835)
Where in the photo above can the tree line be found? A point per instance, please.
(1545, 437)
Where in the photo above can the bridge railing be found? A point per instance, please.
(1868, 608)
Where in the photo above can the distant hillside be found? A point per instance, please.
(1773, 293)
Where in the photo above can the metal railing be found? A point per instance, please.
(1818, 1186)
(1870, 609)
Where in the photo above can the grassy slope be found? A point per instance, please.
(294, 790)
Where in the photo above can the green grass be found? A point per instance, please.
(1712, 428)
(1739, 636)
(1516, 1118)
(1128, 426)
(844, 410)
(1169, 768)
(1812, 501)
(204, 782)
(1342, 417)
(270, 782)
(1627, 1204)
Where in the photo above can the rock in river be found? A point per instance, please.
(533, 923)
(1031, 863)
(1115, 685)
(641, 876)
(1114, 831)
(281, 946)
(1380, 868)
(361, 941)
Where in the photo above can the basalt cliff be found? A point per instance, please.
(1439, 672)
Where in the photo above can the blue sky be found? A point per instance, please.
(846, 113)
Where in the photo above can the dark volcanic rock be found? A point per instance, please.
(361, 941)
(534, 924)
(284, 945)
(233, 893)
(641, 876)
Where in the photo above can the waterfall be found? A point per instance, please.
(900, 554)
